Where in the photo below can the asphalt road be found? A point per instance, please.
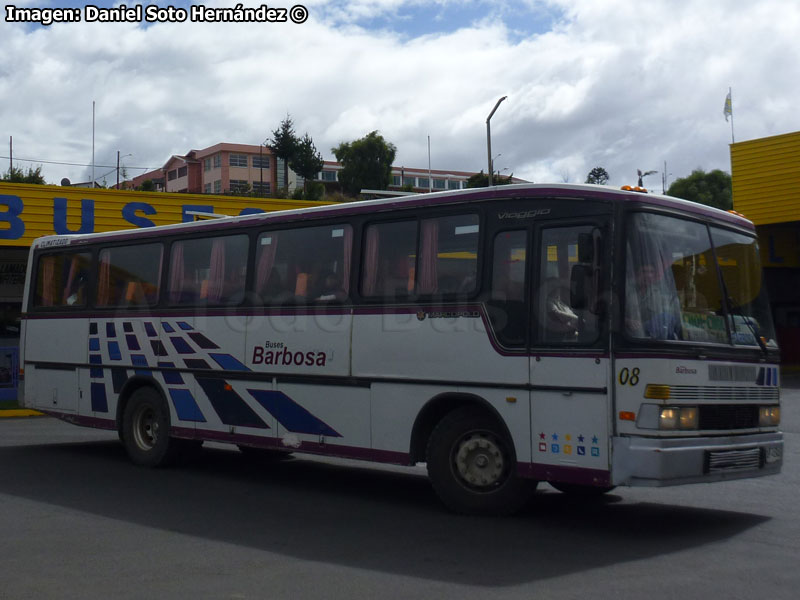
(77, 520)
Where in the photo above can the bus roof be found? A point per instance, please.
(505, 192)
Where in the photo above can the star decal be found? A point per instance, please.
(555, 437)
(581, 438)
(594, 439)
(542, 436)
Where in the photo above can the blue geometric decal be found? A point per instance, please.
(111, 331)
(230, 407)
(113, 350)
(202, 341)
(181, 345)
(95, 372)
(170, 377)
(185, 406)
(99, 400)
(133, 343)
(140, 360)
(150, 330)
(184, 325)
(228, 362)
(291, 415)
(167, 327)
(94, 344)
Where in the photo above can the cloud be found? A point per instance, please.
(618, 84)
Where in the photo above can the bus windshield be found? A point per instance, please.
(689, 282)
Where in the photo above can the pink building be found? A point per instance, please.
(220, 169)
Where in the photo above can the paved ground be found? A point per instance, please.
(78, 520)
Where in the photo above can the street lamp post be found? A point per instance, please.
(118, 157)
(261, 166)
(489, 138)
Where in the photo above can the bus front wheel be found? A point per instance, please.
(471, 465)
(145, 428)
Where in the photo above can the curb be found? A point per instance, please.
(19, 412)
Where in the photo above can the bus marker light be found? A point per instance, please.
(228, 387)
(656, 392)
(511, 399)
(626, 415)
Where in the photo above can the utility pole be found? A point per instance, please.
(117, 169)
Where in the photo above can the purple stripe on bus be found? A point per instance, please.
(576, 475)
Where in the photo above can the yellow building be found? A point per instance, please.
(31, 211)
(766, 189)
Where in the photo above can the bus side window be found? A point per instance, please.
(388, 268)
(508, 313)
(304, 265)
(208, 270)
(62, 280)
(129, 275)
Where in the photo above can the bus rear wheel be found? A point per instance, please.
(471, 465)
(145, 428)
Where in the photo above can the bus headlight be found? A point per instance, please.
(672, 418)
(769, 416)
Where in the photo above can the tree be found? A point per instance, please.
(17, 175)
(366, 163)
(597, 175)
(306, 161)
(148, 186)
(284, 145)
(482, 180)
(712, 188)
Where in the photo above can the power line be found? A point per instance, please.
(71, 164)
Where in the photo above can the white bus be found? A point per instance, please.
(580, 335)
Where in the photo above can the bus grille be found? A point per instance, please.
(733, 460)
(711, 393)
(728, 416)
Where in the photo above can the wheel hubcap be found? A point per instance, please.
(145, 428)
(479, 461)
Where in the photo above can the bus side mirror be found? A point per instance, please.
(580, 286)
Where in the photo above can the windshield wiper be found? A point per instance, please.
(736, 310)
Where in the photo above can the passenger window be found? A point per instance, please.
(208, 271)
(448, 256)
(388, 266)
(62, 280)
(507, 311)
(556, 322)
(129, 275)
(308, 265)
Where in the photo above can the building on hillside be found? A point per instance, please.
(765, 174)
(220, 169)
(233, 168)
(408, 178)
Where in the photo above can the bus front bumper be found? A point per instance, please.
(639, 461)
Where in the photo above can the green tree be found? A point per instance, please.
(17, 175)
(284, 145)
(306, 161)
(597, 175)
(366, 163)
(147, 186)
(712, 188)
(479, 180)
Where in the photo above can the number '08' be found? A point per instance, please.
(629, 376)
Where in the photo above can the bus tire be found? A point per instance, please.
(471, 465)
(581, 491)
(145, 429)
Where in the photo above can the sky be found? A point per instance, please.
(619, 84)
